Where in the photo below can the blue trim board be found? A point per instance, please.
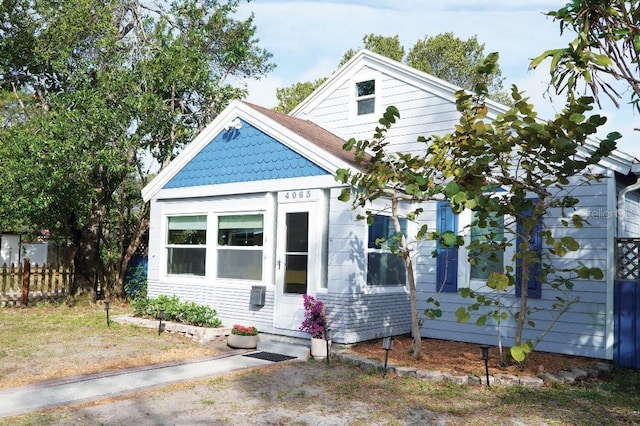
(243, 155)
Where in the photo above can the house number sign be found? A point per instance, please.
(298, 195)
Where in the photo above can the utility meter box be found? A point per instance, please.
(258, 293)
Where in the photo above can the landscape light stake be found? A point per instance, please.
(485, 357)
(160, 317)
(326, 339)
(386, 345)
(106, 308)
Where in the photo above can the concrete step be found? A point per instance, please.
(283, 348)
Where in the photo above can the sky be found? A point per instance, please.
(308, 38)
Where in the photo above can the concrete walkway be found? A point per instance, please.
(73, 390)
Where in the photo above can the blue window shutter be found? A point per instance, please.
(447, 261)
(534, 287)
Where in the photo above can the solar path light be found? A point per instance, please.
(386, 345)
(161, 318)
(106, 308)
(485, 357)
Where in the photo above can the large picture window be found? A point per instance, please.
(384, 267)
(186, 245)
(240, 241)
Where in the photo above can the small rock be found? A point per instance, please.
(430, 376)
(506, 379)
(457, 379)
(551, 378)
(406, 371)
(532, 382)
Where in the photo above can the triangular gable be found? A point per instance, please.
(267, 147)
(243, 155)
(617, 161)
(366, 59)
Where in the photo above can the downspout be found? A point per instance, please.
(622, 200)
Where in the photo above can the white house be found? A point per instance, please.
(247, 219)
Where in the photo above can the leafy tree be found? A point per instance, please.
(115, 91)
(290, 97)
(443, 56)
(607, 44)
(385, 46)
(530, 161)
(520, 167)
(455, 60)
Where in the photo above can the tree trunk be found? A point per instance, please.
(406, 256)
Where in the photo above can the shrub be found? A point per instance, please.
(175, 310)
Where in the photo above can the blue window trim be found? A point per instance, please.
(534, 286)
(447, 260)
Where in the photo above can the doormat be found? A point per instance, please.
(269, 356)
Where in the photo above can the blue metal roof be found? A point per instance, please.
(243, 155)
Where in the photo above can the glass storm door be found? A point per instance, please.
(296, 261)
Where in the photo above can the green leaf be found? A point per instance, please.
(345, 194)
(570, 243)
(448, 239)
(498, 281)
(462, 315)
(519, 353)
(482, 319)
(452, 189)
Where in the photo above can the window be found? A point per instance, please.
(186, 245)
(240, 240)
(384, 267)
(492, 230)
(365, 97)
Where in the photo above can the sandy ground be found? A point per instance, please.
(288, 393)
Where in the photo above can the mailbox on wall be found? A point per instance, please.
(258, 293)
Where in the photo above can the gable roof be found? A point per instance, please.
(319, 146)
(617, 161)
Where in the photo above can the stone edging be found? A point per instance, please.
(199, 334)
(569, 377)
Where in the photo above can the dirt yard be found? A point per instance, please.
(64, 342)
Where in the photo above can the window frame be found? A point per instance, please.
(381, 250)
(218, 248)
(355, 99)
(464, 267)
(168, 246)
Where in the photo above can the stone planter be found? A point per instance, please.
(319, 347)
(242, 342)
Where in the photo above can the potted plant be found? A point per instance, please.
(315, 323)
(243, 337)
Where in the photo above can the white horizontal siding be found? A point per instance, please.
(581, 331)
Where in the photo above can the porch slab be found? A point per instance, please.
(283, 348)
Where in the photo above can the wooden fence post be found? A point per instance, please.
(26, 272)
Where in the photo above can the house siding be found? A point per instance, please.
(356, 311)
(581, 331)
(421, 113)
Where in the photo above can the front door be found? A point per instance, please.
(297, 258)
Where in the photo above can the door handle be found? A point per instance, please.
(278, 262)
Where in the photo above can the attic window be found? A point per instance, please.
(365, 96)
